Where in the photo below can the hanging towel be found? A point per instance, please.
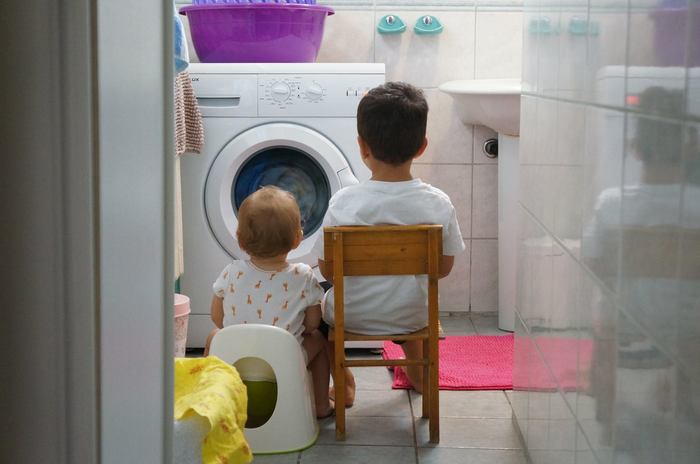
(182, 56)
(211, 389)
(189, 131)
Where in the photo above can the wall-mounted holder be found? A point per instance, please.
(543, 26)
(428, 25)
(391, 24)
(582, 26)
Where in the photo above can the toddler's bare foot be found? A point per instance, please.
(328, 411)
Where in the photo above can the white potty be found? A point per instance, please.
(270, 354)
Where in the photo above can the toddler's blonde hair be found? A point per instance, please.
(269, 223)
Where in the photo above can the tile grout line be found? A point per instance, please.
(471, 228)
(413, 426)
(471, 199)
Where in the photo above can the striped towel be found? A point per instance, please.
(189, 131)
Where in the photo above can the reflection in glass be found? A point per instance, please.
(651, 224)
(290, 170)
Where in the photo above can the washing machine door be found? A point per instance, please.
(292, 157)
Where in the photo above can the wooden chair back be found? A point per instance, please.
(384, 250)
(662, 252)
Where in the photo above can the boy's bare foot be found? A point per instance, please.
(349, 396)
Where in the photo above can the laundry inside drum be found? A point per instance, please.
(291, 170)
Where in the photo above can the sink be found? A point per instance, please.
(494, 103)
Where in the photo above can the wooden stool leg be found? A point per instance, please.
(339, 385)
(426, 380)
(434, 396)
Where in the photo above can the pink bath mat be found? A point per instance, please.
(473, 362)
(485, 362)
(568, 361)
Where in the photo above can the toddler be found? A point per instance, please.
(391, 123)
(267, 289)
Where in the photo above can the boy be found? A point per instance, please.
(391, 123)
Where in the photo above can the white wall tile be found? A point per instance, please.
(484, 276)
(348, 37)
(456, 182)
(643, 51)
(500, 4)
(429, 60)
(570, 133)
(530, 49)
(572, 51)
(454, 289)
(485, 201)
(528, 130)
(547, 119)
(499, 41)
(534, 272)
(548, 50)
(568, 205)
(568, 173)
(605, 49)
(565, 292)
(449, 140)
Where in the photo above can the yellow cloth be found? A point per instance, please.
(210, 388)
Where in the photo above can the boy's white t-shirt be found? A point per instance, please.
(389, 304)
(280, 298)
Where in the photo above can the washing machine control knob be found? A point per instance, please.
(314, 91)
(281, 91)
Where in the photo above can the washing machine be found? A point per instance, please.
(290, 125)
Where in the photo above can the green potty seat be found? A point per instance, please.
(262, 399)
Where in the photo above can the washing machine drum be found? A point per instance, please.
(291, 170)
(291, 157)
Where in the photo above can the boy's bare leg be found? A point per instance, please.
(210, 337)
(349, 377)
(314, 344)
(413, 349)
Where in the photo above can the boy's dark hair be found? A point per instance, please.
(391, 119)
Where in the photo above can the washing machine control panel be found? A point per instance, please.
(317, 95)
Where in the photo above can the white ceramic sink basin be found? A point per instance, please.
(493, 103)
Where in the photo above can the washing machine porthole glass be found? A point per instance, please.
(291, 170)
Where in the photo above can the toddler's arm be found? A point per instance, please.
(312, 318)
(217, 311)
(326, 272)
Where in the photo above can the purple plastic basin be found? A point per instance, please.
(671, 35)
(257, 33)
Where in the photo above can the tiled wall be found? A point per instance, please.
(607, 343)
(479, 40)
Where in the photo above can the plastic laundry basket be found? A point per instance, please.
(182, 314)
